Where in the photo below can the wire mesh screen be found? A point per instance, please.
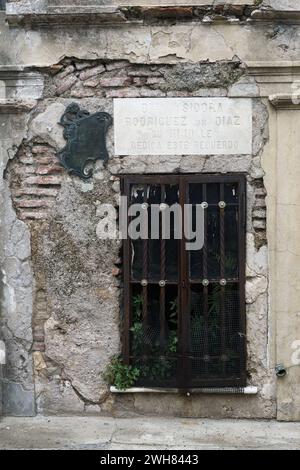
(215, 336)
(185, 309)
(153, 344)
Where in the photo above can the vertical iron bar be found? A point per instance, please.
(127, 286)
(162, 300)
(145, 265)
(222, 276)
(242, 277)
(184, 375)
(205, 276)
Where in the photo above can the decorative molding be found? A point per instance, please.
(268, 14)
(274, 69)
(275, 77)
(52, 12)
(21, 83)
(16, 107)
(285, 101)
(47, 15)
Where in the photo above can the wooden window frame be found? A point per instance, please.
(183, 281)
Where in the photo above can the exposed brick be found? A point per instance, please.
(38, 346)
(236, 10)
(54, 69)
(38, 330)
(26, 160)
(116, 271)
(154, 81)
(139, 81)
(260, 202)
(259, 213)
(143, 72)
(260, 192)
(20, 170)
(115, 82)
(219, 8)
(123, 93)
(92, 82)
(67, 71)
(146, 92)
(82, 92)
(41, 149)
(91, 72)
(82, 65)
(35, 166)
(33, 215)
(66, 84)
(168, 11)
(117, 65)
(259, 224)
(26, 203)
(33, 191)
(39, 339)
(44, 180)
(46, 170)
(43, 160)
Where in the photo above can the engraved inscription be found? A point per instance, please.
(183, 126)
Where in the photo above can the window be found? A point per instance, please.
(184, 310)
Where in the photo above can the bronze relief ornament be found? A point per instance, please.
(85, 135)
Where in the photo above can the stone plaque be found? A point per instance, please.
(183, 126)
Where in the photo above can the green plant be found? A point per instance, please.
(150, 361)
(137, 338)
(172, 342)
(137, 305)
(120, 375)
(173, 312)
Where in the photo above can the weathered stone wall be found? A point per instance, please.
(16, 284)
(77, 292)
(61, 287)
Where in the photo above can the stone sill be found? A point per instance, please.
(251, 390)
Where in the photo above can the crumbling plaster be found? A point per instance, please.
(76, 307)
(75, 303)
(166, 43)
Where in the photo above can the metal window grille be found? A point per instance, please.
(184, 311)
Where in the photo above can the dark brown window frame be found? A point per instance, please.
(184, 282)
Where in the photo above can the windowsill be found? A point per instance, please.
(209, 391)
